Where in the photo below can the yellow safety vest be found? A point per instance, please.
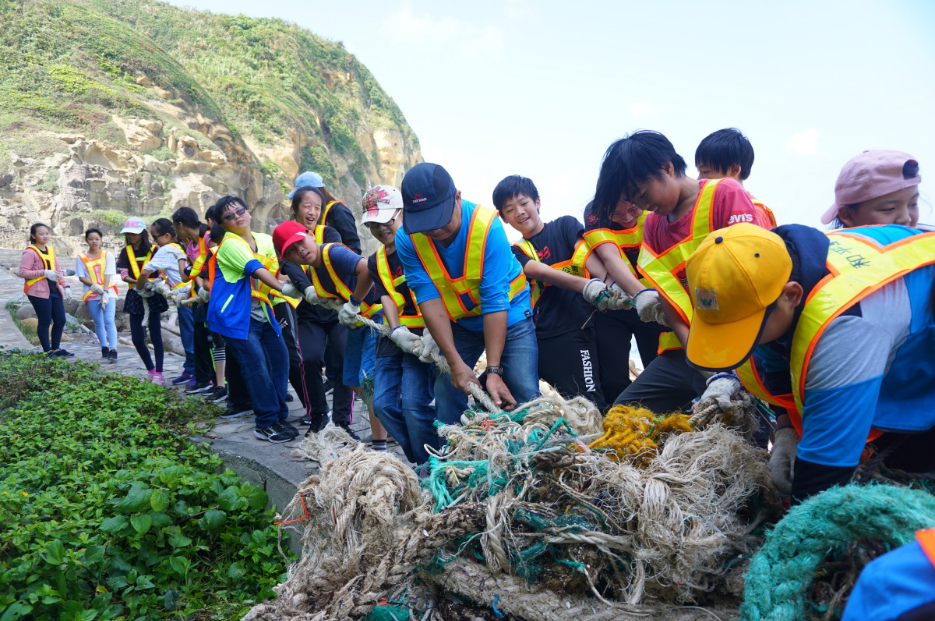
(858, 266)
(258, 289)
(95, 269)
(574, 266)
(136, 265)
(626, 239)
(453, 290)
(390, 284)
(769, 212)
(323, 220)
(199, 263)
(47, 259)
(366, 310)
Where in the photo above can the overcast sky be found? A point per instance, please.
(541, 88)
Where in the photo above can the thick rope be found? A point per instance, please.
(781, 572)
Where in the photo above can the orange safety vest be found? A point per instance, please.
(848, 282)
(391, 284)
(258, 289)
(454, 290)
(95, 269)
(574, 266)
(366, 310)
(199, 263)
(926, 539)
(629, 239)
(47, 259)
(762, 207)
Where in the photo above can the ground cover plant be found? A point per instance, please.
(108, 511)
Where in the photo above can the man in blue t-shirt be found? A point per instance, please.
(470, 289)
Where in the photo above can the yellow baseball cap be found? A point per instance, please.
(733, 277)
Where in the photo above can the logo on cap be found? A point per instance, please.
(378, 195)
(418, 198)
(707, 299)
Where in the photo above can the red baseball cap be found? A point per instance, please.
(287, 234)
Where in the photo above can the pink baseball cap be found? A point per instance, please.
(870, 175)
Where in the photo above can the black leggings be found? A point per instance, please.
(155, 335)
(49, 312)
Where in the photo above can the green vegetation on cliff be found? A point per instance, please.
(72, 65)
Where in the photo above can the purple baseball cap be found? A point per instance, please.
(870, 175)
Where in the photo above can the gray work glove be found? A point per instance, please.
(406, 340)
(596, 294)
(204, 295)
(430, 349)
(348, 314)
(721, 390)
(105, 298)
(649, 305)
(782, 458)
(290, 290)
(619, 299)
(51, 275)
(311, 296)
(96, 288)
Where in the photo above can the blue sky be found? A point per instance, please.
(542, 88)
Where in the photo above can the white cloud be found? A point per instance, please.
(437, 35)
(641, 110)
(517, 8)
(804, 142)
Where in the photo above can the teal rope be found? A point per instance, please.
(781, 572)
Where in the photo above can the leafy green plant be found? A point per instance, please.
(108, 512)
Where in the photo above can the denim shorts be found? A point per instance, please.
(359, 356)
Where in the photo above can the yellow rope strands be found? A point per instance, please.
(631, 432)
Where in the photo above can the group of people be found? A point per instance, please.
(717, 296)
(832, 330)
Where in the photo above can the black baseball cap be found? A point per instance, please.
(428, 198)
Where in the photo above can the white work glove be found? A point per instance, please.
(51, 275)
(348, 313)
(720, 391)
(619, 299)
(289, 290)
(596, 294)
(311, 296)
(96, 288)
(162, 288)
(782, 458)
(649, 305)
(204, 295)
(430, 349)
(406, 340)
(105, 298)
(148, 290)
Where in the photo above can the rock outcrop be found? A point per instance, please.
(136, 107)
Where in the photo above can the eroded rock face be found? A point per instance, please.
(92, 183)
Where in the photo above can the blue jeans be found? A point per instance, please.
(264, 365)
(104, 324)
(403, 389)
(520, 362)
(359, 356)
(187, 335)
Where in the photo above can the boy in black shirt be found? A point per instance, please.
(403, 385)
(559, 266)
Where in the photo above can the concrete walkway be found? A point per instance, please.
(273, 467)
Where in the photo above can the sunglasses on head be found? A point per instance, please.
(231, 215)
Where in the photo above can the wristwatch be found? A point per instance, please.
(495, 371)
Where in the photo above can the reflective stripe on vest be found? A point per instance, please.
(49, 264)
(626, 239)
(323, 220)
(136, 266)
(769, 212)
(366, 310)
(95, 268)
(660, 270)
(258, 289)
(390, 284)
(454, 290)
(576, 265)
(752, 383)
(858, 266)
(199, 263)
(926, 539)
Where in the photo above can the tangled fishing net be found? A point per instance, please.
(547, 512)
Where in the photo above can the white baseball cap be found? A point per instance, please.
(380, 204)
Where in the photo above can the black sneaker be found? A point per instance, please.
(199, 387)
(61, 353)
(105, 353)
(236, 412)
(112, 356)
(275, 434)
(288, 427)
(316, 424)
(218, 395)
(288, 398)
(350, 432)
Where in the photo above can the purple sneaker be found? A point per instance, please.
(184, 378)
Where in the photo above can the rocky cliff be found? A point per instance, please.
(117, 107)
